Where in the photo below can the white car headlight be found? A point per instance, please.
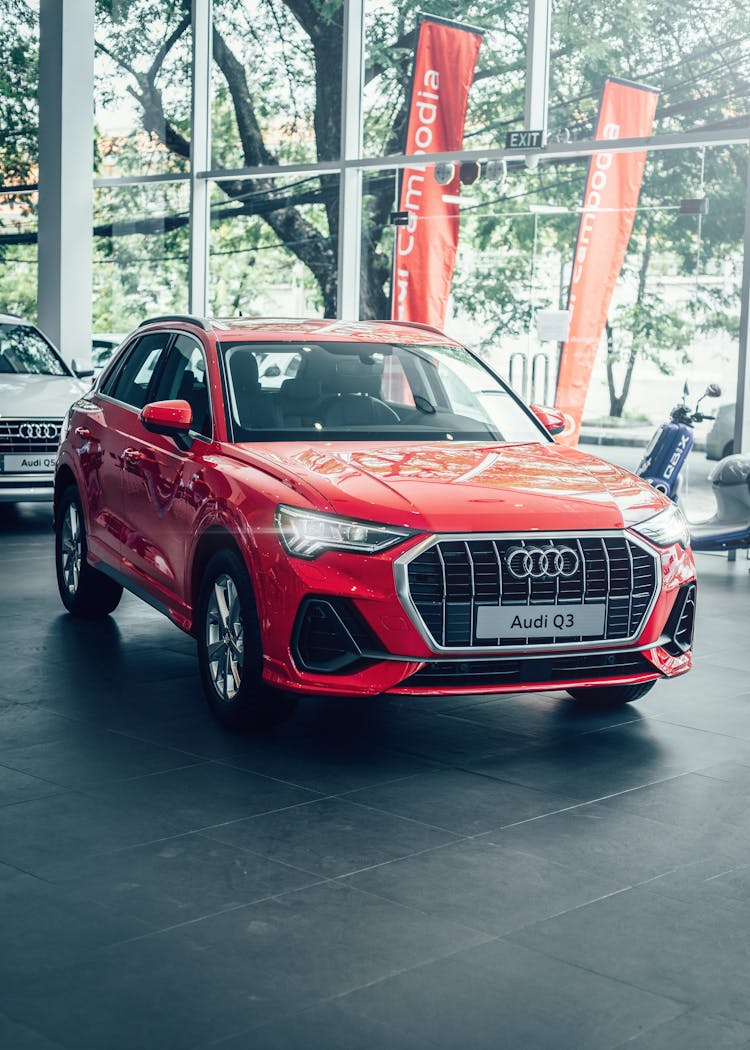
(665, 528)
(307, 533)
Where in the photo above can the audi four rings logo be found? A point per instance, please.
(38, 431)
(537, 562)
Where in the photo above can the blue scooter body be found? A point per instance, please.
(665, 457)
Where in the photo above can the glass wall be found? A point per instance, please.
(695, 55)
(140, 254)
(19, 156)
(274, 247)
(496, 101)
(275, 121)
(276, 82)
(142, 87)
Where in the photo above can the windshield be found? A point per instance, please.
(351, 391)
(23, 349)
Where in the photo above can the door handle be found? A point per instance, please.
(132, 455)
(83, 432)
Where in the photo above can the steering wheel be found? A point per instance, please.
(352, 406)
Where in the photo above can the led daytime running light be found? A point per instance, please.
(306, 534)
(665, 528)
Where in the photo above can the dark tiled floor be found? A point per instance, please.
(512, 872)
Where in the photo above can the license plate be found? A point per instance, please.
(29, 463)
(539, 621)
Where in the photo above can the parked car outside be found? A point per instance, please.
(720, 438)
(391, 520)
(36, 389)
(103, 346)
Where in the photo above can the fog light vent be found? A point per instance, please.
(329, 636)
(681, 623)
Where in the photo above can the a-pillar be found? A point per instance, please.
(66, 135)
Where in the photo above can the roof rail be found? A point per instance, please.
(416, 324)
(201, 322)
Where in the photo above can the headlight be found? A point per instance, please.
(665, 528)
(307, 533)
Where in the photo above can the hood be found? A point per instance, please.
(38, 397)
(457, 487)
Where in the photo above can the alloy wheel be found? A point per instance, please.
(224, 637)
(72, 548)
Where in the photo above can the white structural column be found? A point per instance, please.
(537, 65)
(66, 135)
(350, 187)
(200, 157)
(742, 414)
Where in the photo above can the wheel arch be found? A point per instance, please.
(63, 478)
(216, 537)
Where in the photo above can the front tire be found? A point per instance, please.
(84, 591)
(229, 649)
(604, 696)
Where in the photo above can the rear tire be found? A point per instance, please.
(84, 591)
(603, 696)
(229, 649)
(728, 450)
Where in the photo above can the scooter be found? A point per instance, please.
(729, 528)
(662, 463)
(670, 446)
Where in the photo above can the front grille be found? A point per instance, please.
(29, 435)
(525, 671)
(450, 580)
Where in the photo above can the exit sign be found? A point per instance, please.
(524, 139)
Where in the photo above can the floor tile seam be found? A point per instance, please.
(206, 759)
(692, 1009)
(346, 993)
(150, 934)
(523, 738)
(412, 820)
(343, 995)
(263, 813)
(587, 802)
(548, 954)
(720, 780)
(700, 729)
(316, 875)
(32, 776)
(560, 734)
(93, 785)
(449, 764)
(512, 783)
(56, 1043)
(397, 860)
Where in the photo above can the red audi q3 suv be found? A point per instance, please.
(387, 518)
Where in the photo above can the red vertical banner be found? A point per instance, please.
(613, 187)
(425, 250)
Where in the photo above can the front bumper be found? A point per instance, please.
(387, 651)
(27, 488)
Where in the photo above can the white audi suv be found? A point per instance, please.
(36, 390)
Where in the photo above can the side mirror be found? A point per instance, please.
(551, 419)
(272, 372)
(713, 390)
(171, 418)
(81, 373)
